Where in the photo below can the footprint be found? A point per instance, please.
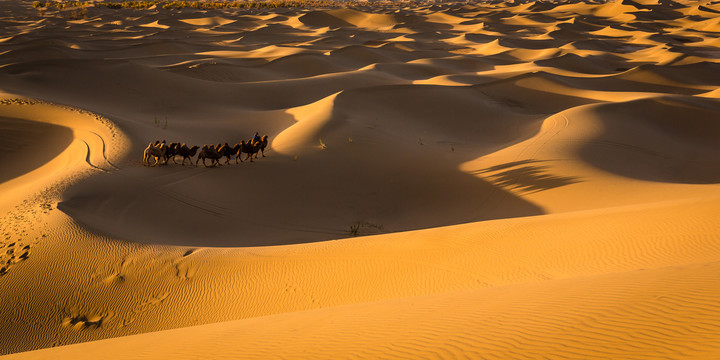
(151, 302)
(185, 271)
(115, 278)
(83, 322)
(15, 252)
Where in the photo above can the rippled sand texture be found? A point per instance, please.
(492, 181)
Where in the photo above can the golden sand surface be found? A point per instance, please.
(536, 180)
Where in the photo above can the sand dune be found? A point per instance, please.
(451, 180)
(542, 319)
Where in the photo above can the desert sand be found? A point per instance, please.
(460, 180)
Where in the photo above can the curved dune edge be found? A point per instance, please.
(79, 144)
(95, 144)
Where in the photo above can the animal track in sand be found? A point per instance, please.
(151, 302)
(20, 232)
(76, 320)
(12, 254)
(113, 278)
(118, 275)
(184, 270)
(25, 227)
(83, 322)
(145, 306)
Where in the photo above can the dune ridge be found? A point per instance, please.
(451, 180)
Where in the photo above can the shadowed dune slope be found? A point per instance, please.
(378, 177)
(666, 139)
(26, 145)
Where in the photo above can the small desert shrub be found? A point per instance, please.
(62, 4)
(160, 124)
(78, 14)
(357, 228)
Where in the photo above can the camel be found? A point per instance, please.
(209, 152)
(263, 144)
(247, 148)
(155, 151)
(186, 153)
(239, 152)
(171, 151)
(228, 151)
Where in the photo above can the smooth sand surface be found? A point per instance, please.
(497, 181)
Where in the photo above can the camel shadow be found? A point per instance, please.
(525, 176)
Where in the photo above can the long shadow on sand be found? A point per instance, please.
(280, 201)
(525, 176)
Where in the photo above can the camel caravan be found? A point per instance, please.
(160, 152)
